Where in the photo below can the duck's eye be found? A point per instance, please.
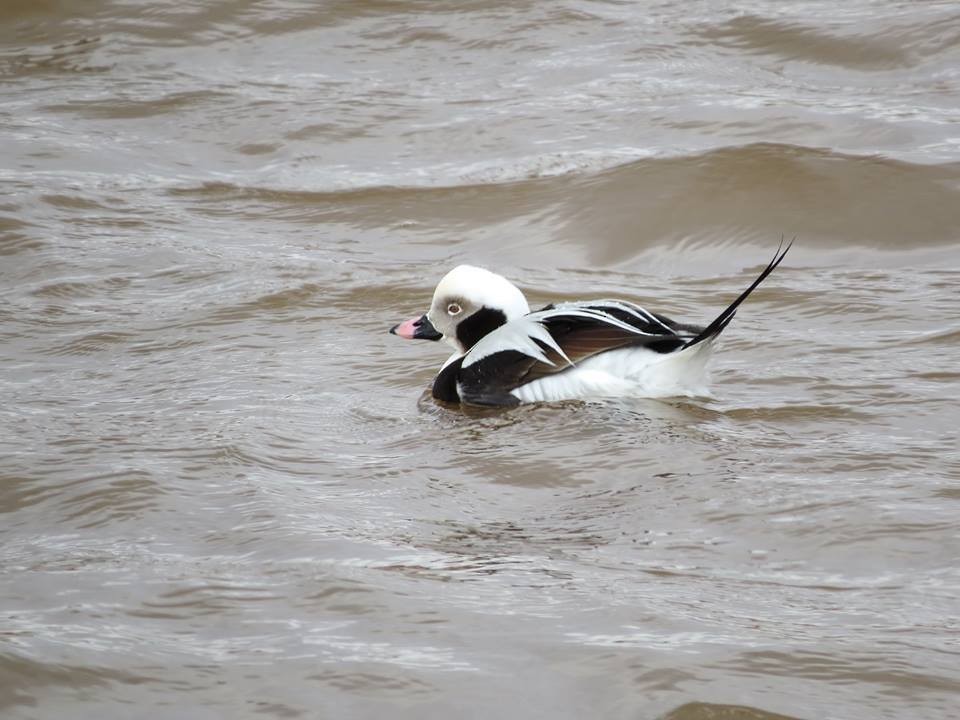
(453, 309)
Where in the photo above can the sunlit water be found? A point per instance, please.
(224, 492)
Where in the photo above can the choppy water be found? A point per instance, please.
(222, 491)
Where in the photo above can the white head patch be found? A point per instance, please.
(483, 289)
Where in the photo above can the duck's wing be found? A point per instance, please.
(639, 318)
(555, 339)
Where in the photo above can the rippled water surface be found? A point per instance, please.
(223, 490)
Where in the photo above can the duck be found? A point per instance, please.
(506, 355)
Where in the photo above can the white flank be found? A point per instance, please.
(627, 372)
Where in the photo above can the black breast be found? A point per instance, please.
(445, 384)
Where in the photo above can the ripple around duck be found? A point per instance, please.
(91, 343)
(946, 336)
(798, 413)
(69, 58)
(68, 290)
(896, 676)
(124, 498)
(207, 599)
(492, 540)
(14, 238)
(19, 491)
(713, 711)
(399, 682)
(887, 49)
(99, 500)
(21, 676)
(119, 108)
(285, 305)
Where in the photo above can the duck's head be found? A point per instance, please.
(469, 302)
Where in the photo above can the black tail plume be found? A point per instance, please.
(724, 318)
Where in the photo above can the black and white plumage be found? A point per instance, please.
(506, 355)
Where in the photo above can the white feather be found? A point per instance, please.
(624, 305)
(518, 335)
(580, 310)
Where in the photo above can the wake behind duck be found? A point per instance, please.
(506, 355)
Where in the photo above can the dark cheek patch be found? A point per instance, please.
(481, 323)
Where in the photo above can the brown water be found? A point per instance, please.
(223, 493)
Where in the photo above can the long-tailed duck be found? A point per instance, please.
(506, 355)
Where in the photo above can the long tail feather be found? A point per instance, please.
(724, 318)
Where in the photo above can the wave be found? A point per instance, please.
(890, 46)
(751, 193)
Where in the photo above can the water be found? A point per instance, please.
(224, 492)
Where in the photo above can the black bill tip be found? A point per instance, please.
(416, 329)
(424, 330)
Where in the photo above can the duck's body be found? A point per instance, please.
(507, 355)
(600, 348)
